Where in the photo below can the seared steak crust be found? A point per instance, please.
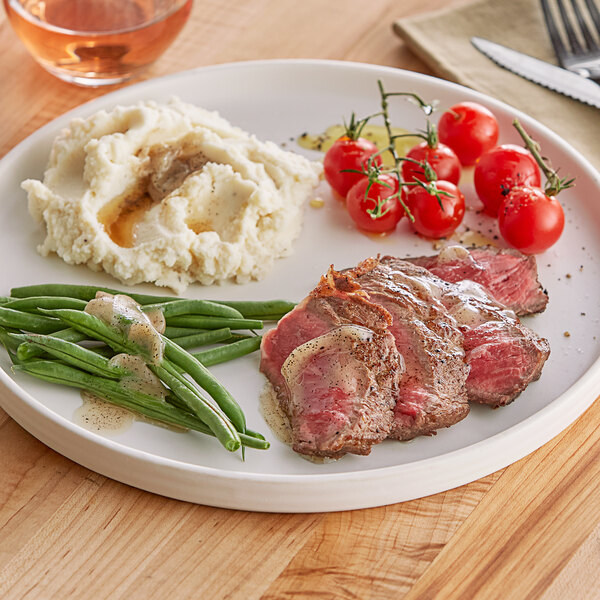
(338, 393)
(508, 275)
(432, 391)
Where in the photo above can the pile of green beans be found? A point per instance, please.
(48, 335)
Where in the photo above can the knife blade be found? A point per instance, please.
(540, 72)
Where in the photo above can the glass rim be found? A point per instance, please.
(18, 7)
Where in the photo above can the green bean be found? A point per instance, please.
(115, 393)
(201, 322)
(209, 412)
(176, 401)
(95, 328)
(206, 380)
(173, 332)
(216, 420)
(255, 434)
(28, 322)
(4, 299)
(250, 309)
(201, 339)
(10, 345)
(256, 309)
(32, 303)
(220, 354)
(194, 307)
(72, 354)
(235, 337)
(29, 351)
(83, 292)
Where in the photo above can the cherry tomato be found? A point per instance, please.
(346, 153)
(499, 170)
(442, 159)
(469, 129)
(431, 220)
(529, 220)
(359, 204)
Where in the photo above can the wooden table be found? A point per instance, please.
(529, 531)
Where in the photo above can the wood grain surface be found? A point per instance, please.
(531, 530)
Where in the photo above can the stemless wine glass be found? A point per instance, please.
(97, 42)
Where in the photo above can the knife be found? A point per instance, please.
(540, 72)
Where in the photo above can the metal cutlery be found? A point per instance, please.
(555, 78)
(580, 52)
(577, 51)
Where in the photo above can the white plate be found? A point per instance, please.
(279, 100)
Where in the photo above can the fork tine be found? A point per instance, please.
(589, 39)
(575, 45)
(559, 47)
(594, 13)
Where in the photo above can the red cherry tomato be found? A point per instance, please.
(499, 170)
(529, 220)
(469, 129)
(431, 219)
(346, 153)
(442, 159)
(362, 206)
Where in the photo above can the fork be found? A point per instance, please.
(582, 53)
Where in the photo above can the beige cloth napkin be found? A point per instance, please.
(441, 39)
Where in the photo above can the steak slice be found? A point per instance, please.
(504, 355)
(432, 391)
(509, 276)
(339, 388)
(335, 368)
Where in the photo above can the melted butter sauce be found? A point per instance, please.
(141, 378)
(98, 415)
(157, 318)
(375, 133)
(166, 169)
(121, 215)
(125, 314)
(330, 343)
(473, 238)
(468, 238)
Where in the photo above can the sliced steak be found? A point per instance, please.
(390, 349)
(432, 391)
(509, 276)
(335, 368)
(339, 391)
(504, 355)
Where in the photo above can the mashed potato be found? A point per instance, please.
(170, 194)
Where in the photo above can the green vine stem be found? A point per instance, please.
(554, 184)
(354, 128)
(430, 136)
(392, 147)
